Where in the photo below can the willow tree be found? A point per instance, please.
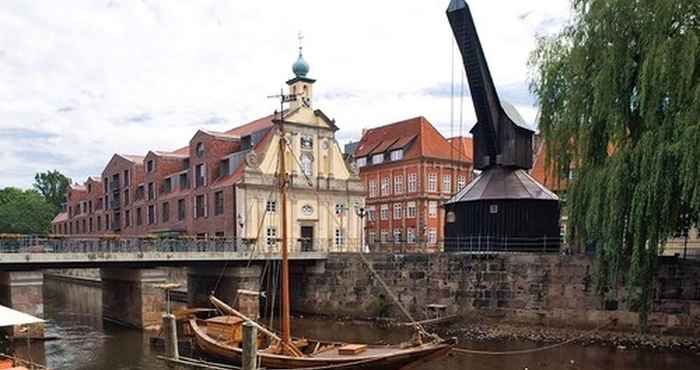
(619, 95)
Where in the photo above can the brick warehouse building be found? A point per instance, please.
(224, 184)
(409, 169)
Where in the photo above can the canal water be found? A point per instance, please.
(74, 314)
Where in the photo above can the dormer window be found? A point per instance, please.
(199, 149)
(397, 155)
(378, 158)
(361, 162)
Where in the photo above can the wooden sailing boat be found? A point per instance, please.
(221, 337)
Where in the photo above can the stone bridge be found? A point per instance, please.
(130, 274)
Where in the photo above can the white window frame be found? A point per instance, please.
(398, 184)
(372, 213)
(447, 184)
(432, 236)
(361, 162)
(372, 237)
(396, 155)
(411, 210)
(397, 211)
(384, 212)
(372, 188)
(386, 186)
(432, 182)
(378, 158)
(307, 165)
(339, 237)
(432, 209)
(410, 235)
(384, 236)
(271, 236)
(412, 183)
(396, 236)
(461, 182)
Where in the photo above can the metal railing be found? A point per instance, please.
(504, 244)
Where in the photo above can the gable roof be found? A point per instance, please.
(464, 145)
(417, 136)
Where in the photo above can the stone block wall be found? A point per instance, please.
(535, 289)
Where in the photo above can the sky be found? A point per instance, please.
(83, 79)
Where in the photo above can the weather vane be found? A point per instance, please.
(301, 38)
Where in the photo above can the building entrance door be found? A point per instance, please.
(307, 238)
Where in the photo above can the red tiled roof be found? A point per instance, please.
(546, 176)
(138, 159)
(421, 137)
(170, 154)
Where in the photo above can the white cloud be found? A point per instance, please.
(87, 78)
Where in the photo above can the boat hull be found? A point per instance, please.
(393, 358)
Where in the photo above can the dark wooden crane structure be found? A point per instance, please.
(503, 207)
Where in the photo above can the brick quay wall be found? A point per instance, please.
(549, 290)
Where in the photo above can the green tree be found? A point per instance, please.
(24, 212)
(53, 185)
(620, 103)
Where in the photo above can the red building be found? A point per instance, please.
(408, 169)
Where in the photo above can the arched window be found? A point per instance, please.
(307, 164)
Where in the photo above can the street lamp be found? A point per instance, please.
(361, 212)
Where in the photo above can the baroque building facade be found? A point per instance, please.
(225, 184)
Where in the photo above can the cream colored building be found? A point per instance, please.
(324, 193)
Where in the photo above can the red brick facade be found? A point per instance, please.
(409, 169)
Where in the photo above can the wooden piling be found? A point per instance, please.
(170, 336)
(250, 346)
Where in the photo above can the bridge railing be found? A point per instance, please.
(31, 244)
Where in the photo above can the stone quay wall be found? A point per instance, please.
(550, 290)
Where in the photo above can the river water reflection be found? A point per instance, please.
(74, 314)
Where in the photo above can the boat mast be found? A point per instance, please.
(283, 183)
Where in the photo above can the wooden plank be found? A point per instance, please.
(351, 349)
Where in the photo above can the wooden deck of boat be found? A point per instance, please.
(370, 351)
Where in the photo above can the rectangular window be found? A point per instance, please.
(411, 235)
(339, 209)
(432, 209)
(168, 185)
(446, 184)
(165, 212)
(151, 215)
(271, 206)
(397, 155)
(432, 183)
(199, 206)
(412, 183)
(384, 212)
(397, 211)
(371, 213)
(432, 236)
(384, 236)
(184, 181)
(107, 224)
(372, 188)
(372, 237)
(139, 217)
(397, 236)
(224, 167)
(181, 209)
(151, 191)
(106, 201)
(99, 223)
(386, 186)
(461, 182)
(398, 184)
(218, 203)
(378, 158)
(90, 206)
(126, 178)
(271, 236)
(126, 197)
(361, 162)
(199, 175)
(140, 192)
(127, 218)
(149, 166)
(90, 224)
(411, 210)
(339, 237)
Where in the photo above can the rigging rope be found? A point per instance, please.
(532, 350)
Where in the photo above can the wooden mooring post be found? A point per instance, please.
(170, 336)
(250, 346)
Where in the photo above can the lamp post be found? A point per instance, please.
(361, 212)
